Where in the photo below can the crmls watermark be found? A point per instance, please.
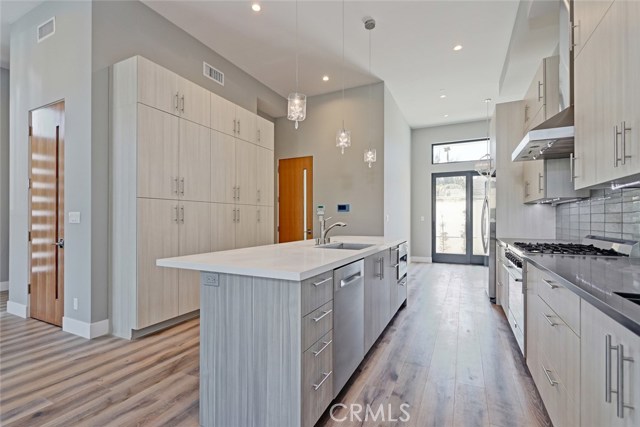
(360, 413)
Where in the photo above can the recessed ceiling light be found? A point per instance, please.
(443, 96)
(446, 115)
(256, 7)
(457, 47)
(325, 78)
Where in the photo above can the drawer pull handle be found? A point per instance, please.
(550, 284)
(326, 344)
(395, 265)
(324, 378)
(547, 373)
(548, 318)
(322, 281)
(323, 315)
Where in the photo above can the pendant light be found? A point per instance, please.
(370, 153)
(296, 102)
(343, 137)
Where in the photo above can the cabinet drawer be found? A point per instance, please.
(317, 291)
(316, 324)
(562, 409)
(565, 303)
(561, 349)
(317, 385)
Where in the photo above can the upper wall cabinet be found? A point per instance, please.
(587, 14)
(606, 99)
(194, 102)
(231, 119)
(265, 136)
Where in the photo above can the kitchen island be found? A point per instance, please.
(278, 339)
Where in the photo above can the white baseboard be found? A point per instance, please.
(85, 330)
(17, 309)
(4, 286)
(426, 259)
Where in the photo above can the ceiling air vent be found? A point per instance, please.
(213, 73)
(46, 29)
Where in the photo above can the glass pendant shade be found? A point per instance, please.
(370, 156)
(297, 107)
(343, 139)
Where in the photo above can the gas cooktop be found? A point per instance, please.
(567, 249)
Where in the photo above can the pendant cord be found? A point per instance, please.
(297, 49)
(343, 107)
(370, 89)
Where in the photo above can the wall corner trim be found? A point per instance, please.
(421, 259)
(85, 330)
(4, 286)
(17, 309)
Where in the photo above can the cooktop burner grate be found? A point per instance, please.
(567, 249)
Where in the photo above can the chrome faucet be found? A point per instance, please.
(324, 230)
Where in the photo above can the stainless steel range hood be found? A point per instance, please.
(553, 139)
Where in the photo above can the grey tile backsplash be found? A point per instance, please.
(609, 213)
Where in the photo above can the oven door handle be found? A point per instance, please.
(509, 268)
(483, 225)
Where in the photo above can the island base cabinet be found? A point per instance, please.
(604, 343)
(317, 383)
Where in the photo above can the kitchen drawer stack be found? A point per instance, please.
(191, 173)
(317, 339)
(553, 340)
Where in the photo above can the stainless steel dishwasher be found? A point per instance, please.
(348, 322)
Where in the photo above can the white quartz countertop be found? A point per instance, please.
(286, 261)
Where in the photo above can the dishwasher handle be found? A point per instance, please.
(351, 279)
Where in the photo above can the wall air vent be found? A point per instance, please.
(213, 73)
(46, 29)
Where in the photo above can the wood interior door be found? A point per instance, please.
(295, 199)
(46, 218)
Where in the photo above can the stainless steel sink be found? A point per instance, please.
(347, 246)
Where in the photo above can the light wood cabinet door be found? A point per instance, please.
(157, 291)
(630, 62)
(223, 227)
(595, 410)
(245, 125)
(246, 173)
(223, 168)
(587, 14)
(265, 177)
(194, 238)
(534, 99)
(223, 115)
(195, 162)
(157, 86)
(157, 152)
(534, 180)
(246, 225)
(376, 298)
(265, 137)
(265, 227)
(194, 102)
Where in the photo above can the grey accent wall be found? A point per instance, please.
(4, 175)
(608, 213)
(41, 73)
(122, 29)
(421, 170)
(397, 171)
(342, 178)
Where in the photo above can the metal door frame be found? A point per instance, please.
(468, 257)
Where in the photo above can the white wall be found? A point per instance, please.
(422, 169)
(42, 73)
(341, 178)
(4, 177)
(397, 171)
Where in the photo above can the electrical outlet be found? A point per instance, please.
(75, 303)
(209, 279)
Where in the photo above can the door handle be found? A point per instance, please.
(59, 243)
(176, 104)
(540, 96)
(624, 130)
(182, 186)
(182, 214)
(540, 176)
(182, 109)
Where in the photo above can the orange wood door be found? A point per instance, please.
(46, 202)
(291, 196)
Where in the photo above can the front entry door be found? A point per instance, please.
(46, 200)
(295, 199)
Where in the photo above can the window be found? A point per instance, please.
(459, 151)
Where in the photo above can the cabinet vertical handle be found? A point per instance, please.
(258, 214)
(238, 192)
(182, 186)
(239, 127)
(259, 138)
(607, 368)
(540, 176)
(572, 167)
(182, 108)
(616, 156)
(540, 96)
(175, 186)
(624, 129)
(382, 268)
(182, 214)
(620, 395)
(175, 214)
(176, 104)
(234, 192)
(258, 196)
(234, 126)
(526, 189)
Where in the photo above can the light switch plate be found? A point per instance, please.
(74, 217)
(209, 279)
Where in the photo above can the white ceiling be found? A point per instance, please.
(412, 48)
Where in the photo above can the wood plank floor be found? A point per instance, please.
(449, 354)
